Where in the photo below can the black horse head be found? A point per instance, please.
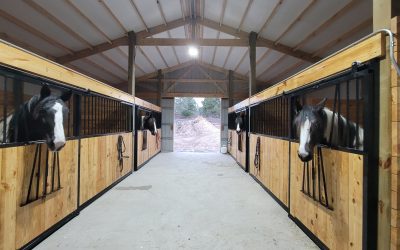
(41, 118)
(309, 122)
(149, 122)
(239, 122)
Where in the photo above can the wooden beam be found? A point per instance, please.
(214, 81)
(199, 94)
(382, 20)
(159, 87)
(84, 16)
(198, 42)
(34, 31)
(122, 41)
(140, 16)
(261, 42)
(227, 56)
(230, 87)
(262, 57)
(161, 28)
(252, 56)
(344, 10)
(131, 62)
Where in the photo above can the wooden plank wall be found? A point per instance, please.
(153, 147)
(20, 224)
(233, 144)
(395, 81)
(98, 172)
(274, 165)
(340, 228)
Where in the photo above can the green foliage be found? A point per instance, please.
(211, 107)
(186, 106)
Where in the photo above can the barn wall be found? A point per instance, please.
(153, 147)
(233, 149)
(167, 126)
(224, 121)
(20, 224)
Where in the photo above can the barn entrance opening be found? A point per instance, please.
(197, 124)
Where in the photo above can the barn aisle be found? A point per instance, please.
(183, 201)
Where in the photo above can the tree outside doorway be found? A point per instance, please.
(197, 125)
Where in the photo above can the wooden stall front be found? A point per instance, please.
(87, 166)
(148, 145)
(274, 163)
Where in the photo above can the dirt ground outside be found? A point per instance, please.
(197, 134)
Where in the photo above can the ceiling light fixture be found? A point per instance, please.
(193, 52)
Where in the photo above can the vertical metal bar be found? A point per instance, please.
(52, 171)
(333, 115)
(69, 118)
(38, 172)
(92, 113)
(46, 174)
(339, 117)
(32, 173)
(323, 179)
(5, 112)
(308, 178)
(319, 174)
(357, 111)
(313, 176)
(348, 112)
(58, 170)
(304, 174)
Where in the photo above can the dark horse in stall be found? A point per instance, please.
(239, 122)
(313, 125)
(149, 122)
(40, 118)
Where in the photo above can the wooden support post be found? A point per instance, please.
(382, 19)
(131, 62)
(159, 86)
(252, 54)
(230, 87)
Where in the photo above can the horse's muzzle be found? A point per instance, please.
(305, 158)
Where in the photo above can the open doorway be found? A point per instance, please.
(197, 124)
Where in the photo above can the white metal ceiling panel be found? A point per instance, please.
(209, 33)
(107, 65)
(287, 12)
(143, 63)
(149, 11)
(63, 11)
(117, 57)
(207, 54)
(322, 11)
(95, 71)
(244, 66)
(126, 14)
(168, 54)
(26, 37)
(278, 68)
(236, 54)
(234, 12)
(272, 57)
(212, 9)
(171, 9)
(182, 52)
(178, 32)
(154, 56)
(220, 55)
(352, 18)
(41, 23)
(258, 14)
(99, 15)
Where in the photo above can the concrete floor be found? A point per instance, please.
(183, 201)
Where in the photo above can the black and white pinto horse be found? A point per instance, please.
(239, 122)
(313, 126)
(40, 118)
(149, 122)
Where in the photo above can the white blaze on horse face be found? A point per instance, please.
(304, 137)
(155, 128)
(238, 128)
(59, 136)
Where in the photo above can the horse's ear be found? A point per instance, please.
(45, 91)
(320, 105)
(65, 96)
(298, 106)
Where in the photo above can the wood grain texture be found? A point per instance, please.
(99, 163)
(371, 48)
(274, 165)
(147, 105)
(12, 56)
(340, 228)
(20, 224)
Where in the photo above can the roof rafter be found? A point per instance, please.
(274, 11)
(260, 41)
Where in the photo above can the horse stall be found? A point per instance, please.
(79, 144)
(330, 192)
(147, 132)
(238, 135)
